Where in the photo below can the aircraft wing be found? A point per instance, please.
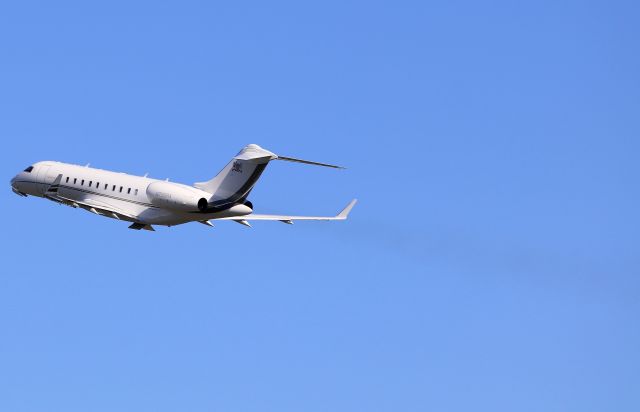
(93, 206)
(96, 207)
(100, 208)
(289, 218)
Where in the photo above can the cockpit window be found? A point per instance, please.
(28, 169)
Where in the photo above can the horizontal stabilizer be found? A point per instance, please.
(308, 162)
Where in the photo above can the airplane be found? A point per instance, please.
(146, 202)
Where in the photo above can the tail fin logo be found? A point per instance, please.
(237, 167)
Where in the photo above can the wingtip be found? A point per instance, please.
(345, 212)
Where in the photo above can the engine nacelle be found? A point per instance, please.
(177, 197)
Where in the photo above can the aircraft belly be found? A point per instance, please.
(156, 216)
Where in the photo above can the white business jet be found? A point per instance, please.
(146, 202)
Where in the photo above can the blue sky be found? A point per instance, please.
(491, 264)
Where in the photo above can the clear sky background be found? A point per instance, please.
(492, 263)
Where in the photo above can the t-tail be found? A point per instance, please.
(234, 183)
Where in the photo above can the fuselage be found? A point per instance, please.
(132, 198)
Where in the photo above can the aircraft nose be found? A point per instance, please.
(15, 182)
(15, 187)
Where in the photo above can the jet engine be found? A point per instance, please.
(177, 197)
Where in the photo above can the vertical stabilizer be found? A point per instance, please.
(233, 184)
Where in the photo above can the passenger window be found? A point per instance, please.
(106, 185)
(67, 179)
(28, 169)
(120, 189)
(90, 183)
(82, 183)
(129, 191)
(75, 180)
(97, 185)
(136, 192)
(113, 189)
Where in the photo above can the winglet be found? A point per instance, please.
(346, 210)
